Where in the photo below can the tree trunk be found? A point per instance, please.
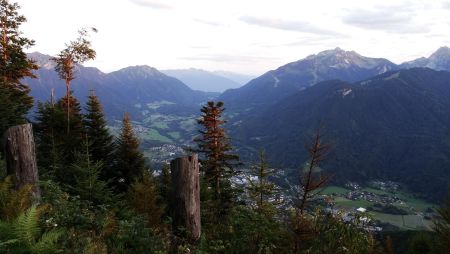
(186, 193)
(20, 157)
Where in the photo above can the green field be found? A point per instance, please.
(335, 190)
(175, 135)
(406, 222)
(155, 135)
(159, 125)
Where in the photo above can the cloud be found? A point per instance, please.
(228, 58)
(391, 20)
(152, 4)
(446, 5)
(208, 22)
(288, 25)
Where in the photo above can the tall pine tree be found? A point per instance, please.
(218, 161)
(76, 52)
(14, 66)
(130, 162)
(101, 148)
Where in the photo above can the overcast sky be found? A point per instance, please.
(244, 36)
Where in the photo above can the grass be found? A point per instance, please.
(352, 204)
(160, 125)
(406, 222)
(175, 134)
(335, 190)
(155, 135)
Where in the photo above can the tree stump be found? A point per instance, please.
(20, 157)
(186, 194)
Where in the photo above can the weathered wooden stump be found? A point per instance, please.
(186, 196)
(20, 157)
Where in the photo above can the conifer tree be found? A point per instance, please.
(102, 147)
(86, 174)
(261, 190)
(14, 66)
(218, 163)
(442, 226)
(56, 147)
(143, 197)
(130, 162)
(50, 122)
(165, 187)
(76, 52)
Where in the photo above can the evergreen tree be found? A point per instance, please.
(130, 162)
(76, 52)
(261, 190)
(143, 197)
(56, 147)
(165, 187)
(102, 147)
(87, 184)
(14, 66)
(218, 162)
(50, 134)
(442, 226)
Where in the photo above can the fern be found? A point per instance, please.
(26, 227)
(47, 243)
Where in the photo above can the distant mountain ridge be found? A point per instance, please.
(439, 60)
(125, 90)
(202, 80)
(293, 77)
(392, 126)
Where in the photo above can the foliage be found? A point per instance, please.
(23, 235)
(214, 145)
(333, 235)
(101, 140)
(442, 226)
(130, 162)
(14, 66)
(76, 52)
(143, 198)
(13, 202)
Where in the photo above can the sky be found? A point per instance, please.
(243, 36)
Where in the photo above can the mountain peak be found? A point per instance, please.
(143, 71)
(441, 52)
(42, 60)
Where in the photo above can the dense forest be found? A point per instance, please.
(89, 191)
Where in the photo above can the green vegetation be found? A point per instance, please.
(175, 135)
(154, 135)
(329, 190)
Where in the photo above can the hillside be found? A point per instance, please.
(394, 126)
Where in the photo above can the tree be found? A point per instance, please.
(102, 147)
(56, 147)
(130, 162)
(143, 197)
(76, 52)
(442, 226)
(218, 162)
(310, 183)
(14, 66)
(87, 184)
(261, 190)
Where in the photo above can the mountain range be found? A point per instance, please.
(394, 126)
(207, 81)
(386, 120)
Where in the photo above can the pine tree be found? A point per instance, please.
(102, 147)
(76, 52)
(130, 162)
(49, 127)
(218, 162)
(143, 197)
(56, 147)
(14, 66)
(87, 184)
(165, 187)
(261, 190)
(442, 226)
